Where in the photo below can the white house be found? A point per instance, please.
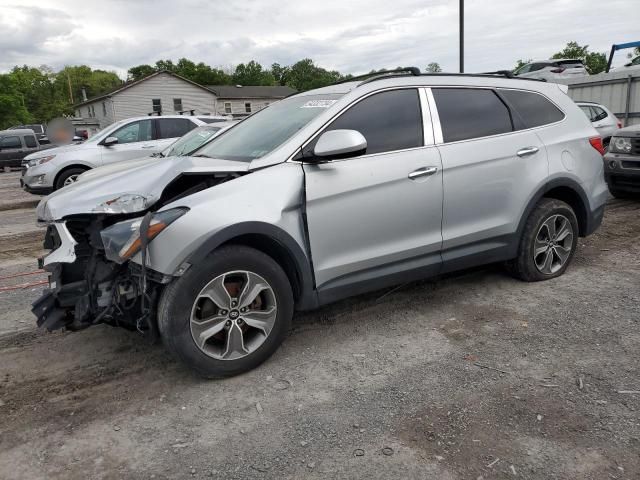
(170, 94)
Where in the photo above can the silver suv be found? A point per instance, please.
(131, 138)
(321, 196)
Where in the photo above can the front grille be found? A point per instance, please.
(631, 165)
(635, 146)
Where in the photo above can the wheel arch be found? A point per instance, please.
(277, 244)
(568, 191)
(68, 167)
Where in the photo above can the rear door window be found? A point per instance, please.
(467, 113)
(30, 141)
(533, 109)
(173, 127)
(389, 120)
(139, 131)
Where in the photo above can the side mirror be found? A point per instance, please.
(340, 144)
(107, 142)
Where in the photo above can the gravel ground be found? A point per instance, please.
(471, 376)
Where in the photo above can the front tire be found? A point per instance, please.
(68, 177)
(227, 314)
(548, 242)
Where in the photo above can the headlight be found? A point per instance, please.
(122, 240)
(620, 145)
(125, 203)
(40, 160)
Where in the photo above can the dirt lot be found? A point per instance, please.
(475, 376)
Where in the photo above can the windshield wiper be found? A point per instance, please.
(202, 155)
(157, 154)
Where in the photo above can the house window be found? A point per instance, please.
(78, 114)
(227, 107)
(104, 109)
(157, 105)
(177, 104)
(247, 107)
(93, 111)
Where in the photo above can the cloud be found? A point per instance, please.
(353, 37)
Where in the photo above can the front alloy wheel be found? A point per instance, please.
(228, 312)
(233, 315)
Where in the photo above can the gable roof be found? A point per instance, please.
(126, 85)
(240, 91)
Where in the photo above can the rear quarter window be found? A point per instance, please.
(533, 109)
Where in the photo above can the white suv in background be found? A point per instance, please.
(552, 70)
(602, 119)
(44, 172)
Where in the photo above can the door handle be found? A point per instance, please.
(523, 152)
(423, 172)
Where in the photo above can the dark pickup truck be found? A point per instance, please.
(622, 163)
(16, 144)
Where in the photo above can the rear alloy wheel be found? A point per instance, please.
(553, 244)
(548, 242)
(228, 313)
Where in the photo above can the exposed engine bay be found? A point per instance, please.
(92, 279)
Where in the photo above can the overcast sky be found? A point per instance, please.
(352, 36)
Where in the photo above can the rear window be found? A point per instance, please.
(533, 109)
(470, 113)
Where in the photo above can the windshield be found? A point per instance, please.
(191, 141)
(267, 129)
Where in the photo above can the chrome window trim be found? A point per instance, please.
(347, 107)
(435, 118)
(427, 121)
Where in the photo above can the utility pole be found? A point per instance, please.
(461, 36)
(71, 91)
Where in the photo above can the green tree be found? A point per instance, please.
(252, 74)
(280, 73)
(594, 62)
(521, 63)
(12, 105)
(433, 67)
(305, 75)
(140, 71)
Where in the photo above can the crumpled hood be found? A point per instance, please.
(145, 177)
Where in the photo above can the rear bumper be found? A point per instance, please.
(594, 220)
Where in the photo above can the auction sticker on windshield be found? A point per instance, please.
(318, 104)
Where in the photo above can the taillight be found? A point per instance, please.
(596, 142)
(619, 123)
(557, 70)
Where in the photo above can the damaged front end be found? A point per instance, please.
(98, 265)
(91, 278)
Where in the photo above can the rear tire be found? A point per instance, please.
(68, 176)
(215, 341)
(548, 242)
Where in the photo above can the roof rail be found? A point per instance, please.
(415, 71)
(506, 73)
